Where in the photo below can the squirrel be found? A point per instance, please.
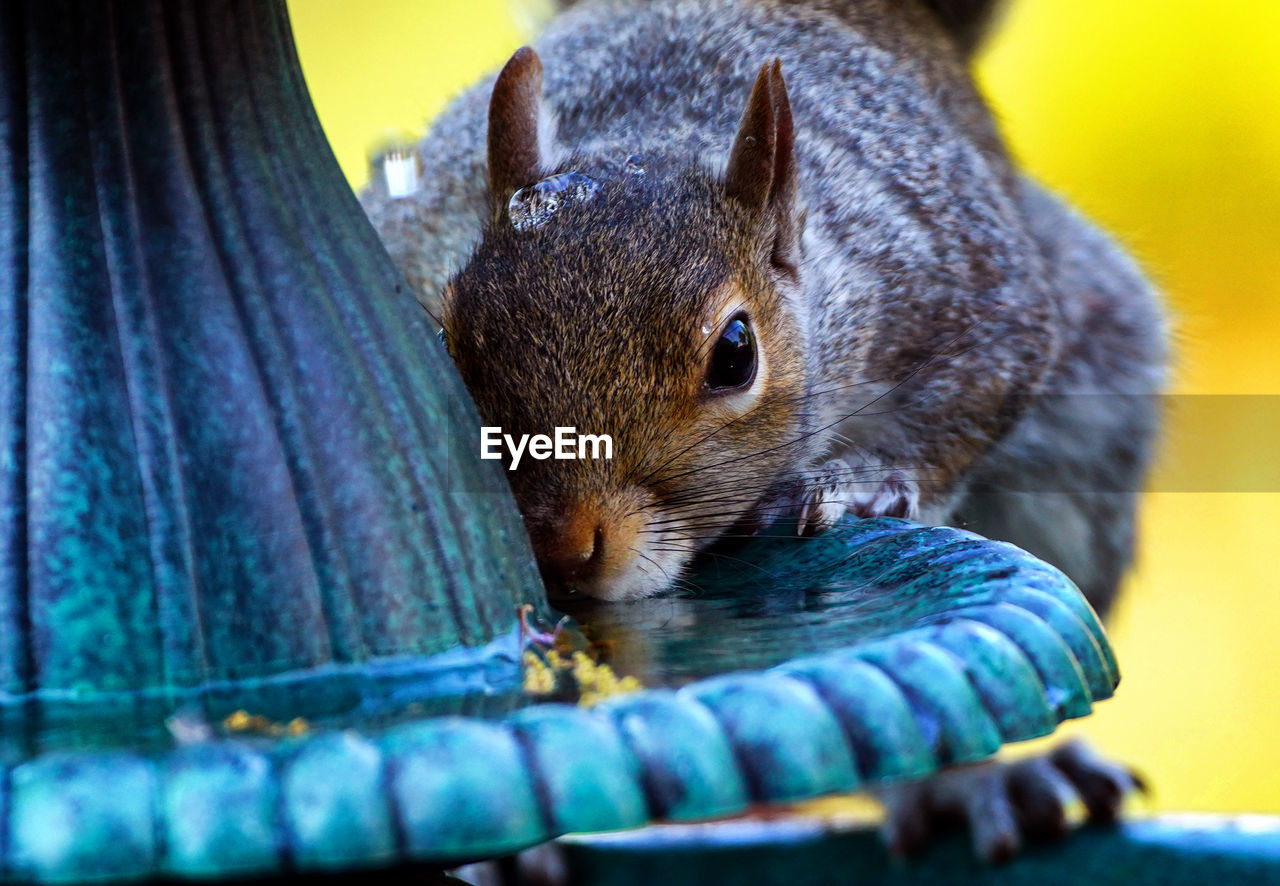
(777, 251)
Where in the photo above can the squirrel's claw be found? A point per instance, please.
(1006, 803)
(836, 488)
(893, 496)
(825, 499)
(1100, 783)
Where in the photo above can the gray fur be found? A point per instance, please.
(1064, 484)
(940, 298)
(966, 20)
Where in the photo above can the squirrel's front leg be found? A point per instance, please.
(857, 484)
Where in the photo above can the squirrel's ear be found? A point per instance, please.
(762, 173)
(515, 155)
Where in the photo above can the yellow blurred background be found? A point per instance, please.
(1160, 120)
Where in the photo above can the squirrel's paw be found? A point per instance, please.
(826, 497)
(836, 488)
(895, 495)
(1004, 804)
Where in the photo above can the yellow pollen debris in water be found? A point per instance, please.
(594, 682)
(243, 721)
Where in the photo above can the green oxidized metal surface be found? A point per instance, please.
(933, 679)
(224, 473)
(1171, 850)
(870, 580)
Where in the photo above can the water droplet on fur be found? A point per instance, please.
(634, 165)
(706, 330)
(536, 204)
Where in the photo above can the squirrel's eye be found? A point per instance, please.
(444, 340)
(733, 359)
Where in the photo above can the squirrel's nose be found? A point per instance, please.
(574, 551)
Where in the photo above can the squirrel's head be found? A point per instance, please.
(648, 299)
